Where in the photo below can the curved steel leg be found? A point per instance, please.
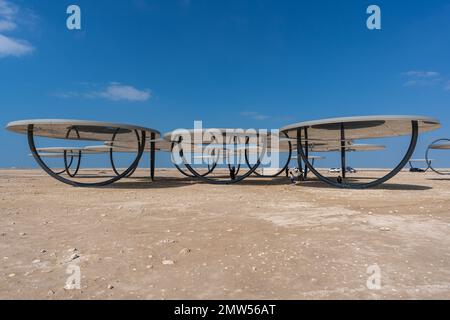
(42, 164)
(343, 165)
(236, 171)
(279, 172)
(210, 169)
(183, 172)
(429, 161)
(111, 156)
(397, 169)
(305, 170)
(152, 156)
(214, 181)
(67, 166)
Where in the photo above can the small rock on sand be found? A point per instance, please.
(73, 257)
(385, 229)
(167, 262)
(185, 251)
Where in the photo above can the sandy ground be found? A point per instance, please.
(262, 239)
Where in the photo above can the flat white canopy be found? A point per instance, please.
(160, 145)
(441, 146)
(55, 155)
(59, 149)
(364, 127)
(420, 160)
(88, 130)
(206, 135)
(350, 148)
(106, 149)
(309, 157)
(84, 150)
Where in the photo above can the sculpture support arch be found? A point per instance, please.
(343, 184)
(428, 161)
(41, 163)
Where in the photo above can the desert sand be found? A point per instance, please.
(178, 238)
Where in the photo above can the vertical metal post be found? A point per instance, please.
(299, 145)
(305, 173)
(152, 156)
(343, 146)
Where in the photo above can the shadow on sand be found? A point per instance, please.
(146, 183)
(142, 182)
(314, 183)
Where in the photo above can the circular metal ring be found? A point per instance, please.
(41, 163)
(66, 165)
(210, 168)
(279, 172)
(429, 161)
(111, 152)
(397, 169)
(223, 182)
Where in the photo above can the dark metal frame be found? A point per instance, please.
(411, 167)
(343, 184)
(279, 172)
(429, 161)
(216, 181)
(152, 155)
(210, 168)
(111, 154)
(132, 167)
(66, 166)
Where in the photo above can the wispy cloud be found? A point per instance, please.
(6, 25)
(13, 47)
(10, 46)
(254, 115)
(422, 78)
(114, 91)
(422, 74)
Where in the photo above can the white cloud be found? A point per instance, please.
(114, 91)
(422, 78)
(8, 10)
(6, 25)
(13, 47)
(66, 95)
(117, 91)
(422, 74)
(10, 46)
(254, 115)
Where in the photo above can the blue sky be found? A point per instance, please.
(233, 63)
